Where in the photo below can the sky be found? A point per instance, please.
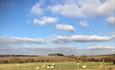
(40, 27)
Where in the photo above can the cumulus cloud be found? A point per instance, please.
(83, 24)
(73, 8)
(65, 27)
(97, 8)
(37, 9)
(80, 38)
(89, 8)
(85, 8)
(101, 47)
(69, 10)
(45, 20)
(111, 20)
(108, 7)
(18, 40)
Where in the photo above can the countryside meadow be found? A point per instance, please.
(57, 34)
(57, 66)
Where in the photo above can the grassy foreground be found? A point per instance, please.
(59, 66)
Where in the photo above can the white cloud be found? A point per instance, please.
(85, 8)
(65, 27)
(108, 7)
(18, 40)
(111, 20)
(83, 24)
(45, 20)
(69, 10)
(113, 35)
(37, 9)
(80, 38)
(73, 8)
(101, 47)
(56, 39)
(97, 8)
(89, 8)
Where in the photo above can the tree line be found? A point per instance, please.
(57, 57)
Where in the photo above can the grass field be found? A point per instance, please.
(58, 66)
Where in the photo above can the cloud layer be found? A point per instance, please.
(66, 50)
(18, 40)
(56, 39)
(18, 45)
(101, 47)
(80, 38)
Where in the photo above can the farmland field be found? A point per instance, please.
(58, 66)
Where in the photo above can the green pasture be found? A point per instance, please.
(59, 66)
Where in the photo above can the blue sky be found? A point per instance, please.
(83, 24)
